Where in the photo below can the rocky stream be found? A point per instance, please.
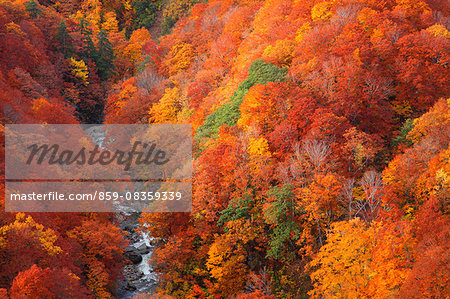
(138, 275)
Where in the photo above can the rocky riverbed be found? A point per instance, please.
(138, 275)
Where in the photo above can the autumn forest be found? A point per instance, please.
(321, 133)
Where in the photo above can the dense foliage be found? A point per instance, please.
(321, 129)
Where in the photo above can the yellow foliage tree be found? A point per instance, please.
(91, 9)
(80, 70)
(282, 52)
(362, 260)
(46, 237)
(179, 57)
(321, 11)
(439, 30)
(344, 262)
(110, 25)
(133, 51)
(259, 155)
(226, 257)
(258, 147)
(166, 110)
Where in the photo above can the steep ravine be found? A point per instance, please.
(138, 275)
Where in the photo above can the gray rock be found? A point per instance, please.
(130, 287)
(129, 228)
(143, 249)
(131, 273)
(133, 255)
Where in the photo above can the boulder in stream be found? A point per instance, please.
(132, 273)
(133, 255)
(130, 287)
(143, 249)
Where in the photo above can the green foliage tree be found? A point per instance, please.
(402, 138)
(228, 114)
(33, 8)
(167, 24)
(174, 11)
(64, 40)
(89, 51)
(280, 215)
(145, 13)
(236, 209)
(105, 56)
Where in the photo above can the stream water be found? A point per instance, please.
(139, 277)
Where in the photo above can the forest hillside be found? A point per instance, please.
(321, 143)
